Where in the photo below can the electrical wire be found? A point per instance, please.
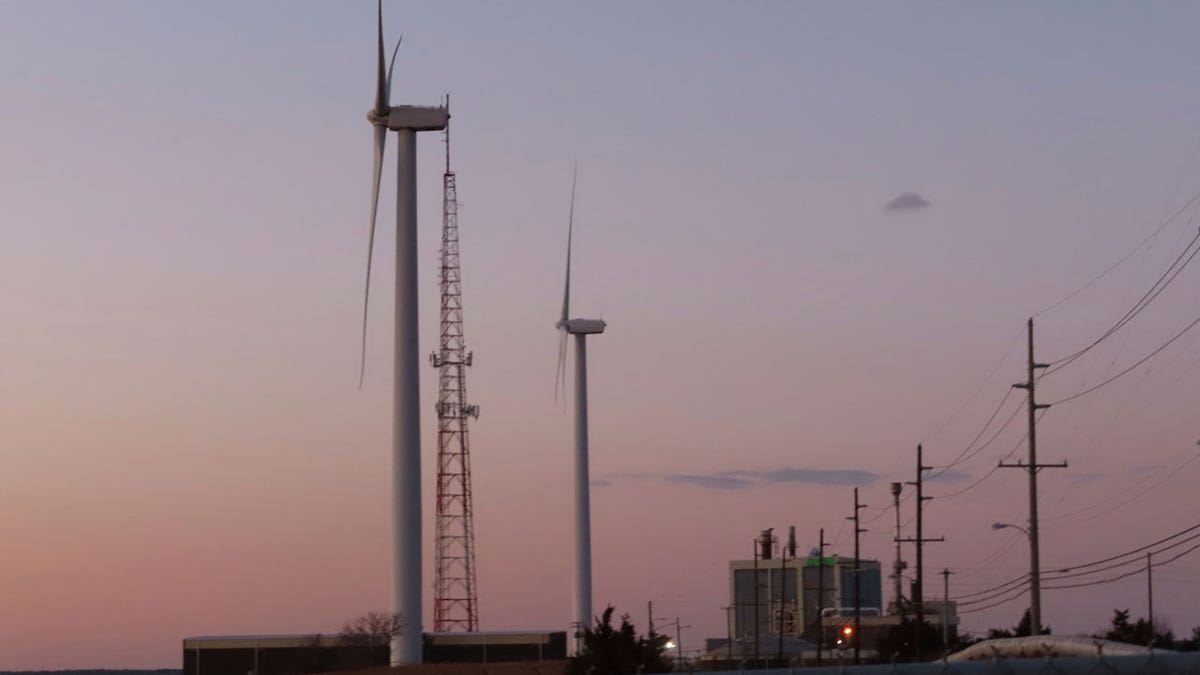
(1124, 575)
(1174, 270)
(1123, 258)
(960, 458)
(1006, 457)
(1102, 565)
(1019, 592)
(982, 385)
(992, 590)
(1144, 359)
(1135, 559)
(1095, 563)
(1023, 591)
(1114, 507)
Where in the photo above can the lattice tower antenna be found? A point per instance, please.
(455, 604)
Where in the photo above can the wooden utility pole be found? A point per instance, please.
(946, 609)
(1035, 577)
(898, 566)
(820, 598)
(782, 595)
(1150, 594)
(920, 540)
(756, 544)
(678, 644)
(729, 633)
(857, 578)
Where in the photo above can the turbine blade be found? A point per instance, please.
(570, 229)
(391, 66)
(380, 142)
(381, 94)
(560, 374)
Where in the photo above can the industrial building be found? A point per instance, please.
(315, 653)
(785, 596)
(779, 592)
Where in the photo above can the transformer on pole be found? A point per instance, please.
(455, 605)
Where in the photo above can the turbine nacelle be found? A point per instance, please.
(582, 326)
(411, 117)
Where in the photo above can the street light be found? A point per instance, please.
(1001, 526)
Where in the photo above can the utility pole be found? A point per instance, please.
(756, 544)
(782, 596)
(1150, 594)
(946, 609)
(1035, 577)
(920, 540)
(678, 644)
(898, 567)
(729, 632)
(821, 598)
(857, 577)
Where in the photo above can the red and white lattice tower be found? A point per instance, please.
(455, 607)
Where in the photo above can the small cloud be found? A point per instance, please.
(740, 479)
(601, 482)
(819, 476)
(909, 201)
(717, 481)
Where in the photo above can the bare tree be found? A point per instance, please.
(372, 630)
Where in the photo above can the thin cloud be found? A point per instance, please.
(710, 481)
(820, 476)
(741, 479)
(909, 201)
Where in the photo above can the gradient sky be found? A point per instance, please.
(183, 205)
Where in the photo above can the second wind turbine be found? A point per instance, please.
(580, 328)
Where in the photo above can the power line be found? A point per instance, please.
(1023, 580)
(1130, 573)
(1123, 258)
(1113, 507)
(960, 458)
(1095, 563)
(1065, 572)
(997, 587)
(1019, 593)
(1174, 270)
(1006, 457)
(982, 385)
(1144, 359)
(1135, 559)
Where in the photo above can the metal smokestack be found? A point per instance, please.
(764, 544)
(899, 566)
(791, 547)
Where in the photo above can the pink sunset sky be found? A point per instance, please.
(183, 224)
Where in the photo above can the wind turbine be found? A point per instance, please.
(580, 328)
(406, 121)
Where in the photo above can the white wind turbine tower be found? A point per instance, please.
(580, 328)
(406, 121)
